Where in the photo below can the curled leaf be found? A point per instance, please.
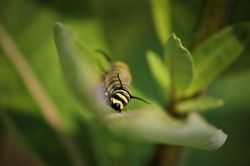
(217, 53)
(156, 126)
(76, 64)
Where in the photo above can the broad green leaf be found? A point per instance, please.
(180, 65)
(199, 104)
(76, 64)
(161, 17)
(217, 53)
(159, 70)
(193, 131)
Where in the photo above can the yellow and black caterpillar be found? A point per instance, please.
(116, 83)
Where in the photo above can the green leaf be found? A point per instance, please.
(199, 104)
(216, 54)
(81, 73)
(13, 93)
(193, 131)
(102, 60)
(76, 64)
(234, 90)
(159, 70)
(161, 17)
(180, 65)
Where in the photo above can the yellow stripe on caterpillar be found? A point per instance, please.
(115, 101)
(122, 97)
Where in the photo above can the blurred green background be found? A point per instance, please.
(125, 30)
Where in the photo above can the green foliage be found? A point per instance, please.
(193, 131)
(180, 65)
(161, 16)
(199, 104)
(233, 117)
(175, 73)
(216, 54)
(69, 71)
(76, 64)
(159, 71)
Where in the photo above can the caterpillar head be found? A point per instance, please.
(116, 104)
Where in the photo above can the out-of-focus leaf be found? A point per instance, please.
(90, 31)
(161, 17)
(234, 118)
(102, 60)
(214, 56)
(158, 70)
(199, 104)
(234, 91)
(25, 28)
(180, 65)
(156, 126)
(78, 68)
(13, 94)
(184, 16)
(47, 107)
(30, 21)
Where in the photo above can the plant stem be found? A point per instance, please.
(167, 155)
(211, 19)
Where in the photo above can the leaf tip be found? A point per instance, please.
(218, 139)
(58, 25)
(174, 35)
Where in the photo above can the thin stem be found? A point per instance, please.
(47, 107)
(167, 155)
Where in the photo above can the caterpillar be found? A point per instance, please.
(115, 84)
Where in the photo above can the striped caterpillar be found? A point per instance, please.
(116, 83)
